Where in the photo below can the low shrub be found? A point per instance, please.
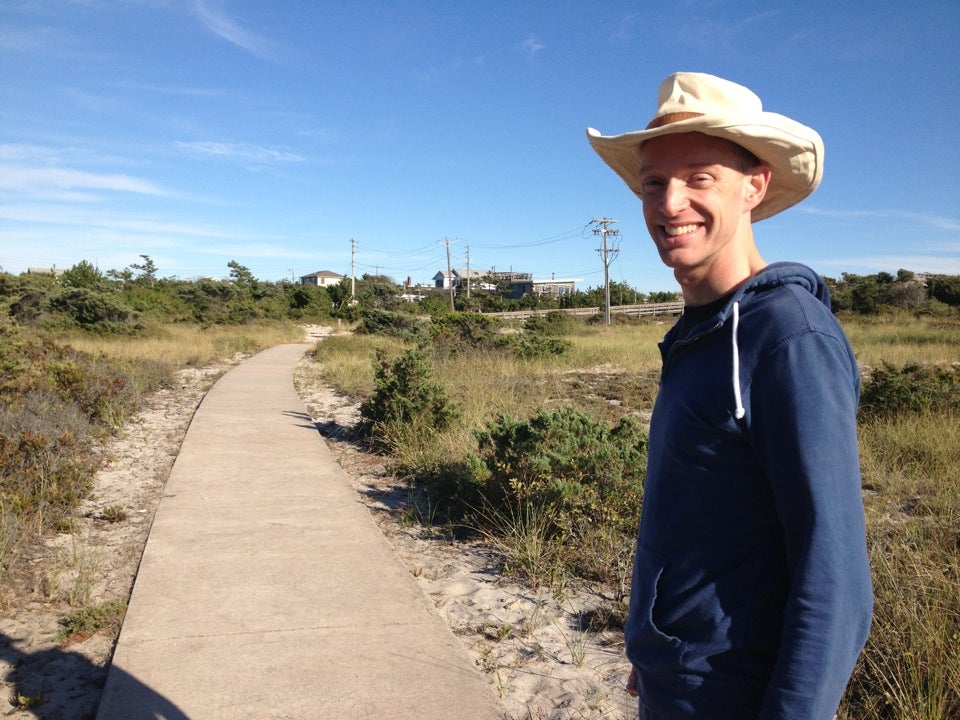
(55, 403)
(584, 470)
(553, 324)
(93, 310)
(538, 346)
(458, 332)
(392, 324)
(405, 400)
(915, 388)
(108, 616)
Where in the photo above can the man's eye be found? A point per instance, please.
(700, 180)
(650, 184)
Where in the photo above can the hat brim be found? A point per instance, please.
(793, 151)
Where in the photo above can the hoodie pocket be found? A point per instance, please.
(648, 647)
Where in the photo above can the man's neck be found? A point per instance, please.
(701, 286)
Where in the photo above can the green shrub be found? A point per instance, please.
(91, 309)
(108, 616)
(55, 403)
(553, 324)
(392, 324)
(538, 346)
(891, 390)
(458, 332)
(405, 399)
(586, 471)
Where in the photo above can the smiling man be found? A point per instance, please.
(751, 593)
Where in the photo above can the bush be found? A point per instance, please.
(586, 471)
(55, 403)
(90, 309)
(891, 391)
(392, 324)
(552, 324)
(458, 332)
(559, 492)
(405, 400)
(538, 346)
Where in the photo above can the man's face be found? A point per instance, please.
(696, 202)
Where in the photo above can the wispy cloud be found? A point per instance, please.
(243, 152)
(532, 45)
(70, 184)
(933, 263)
(221, 24)
(75, 216)
(626, 30)
(928, 218)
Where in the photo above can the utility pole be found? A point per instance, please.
(353, 271)
(608, 254)
(447, 242)
(468, 272)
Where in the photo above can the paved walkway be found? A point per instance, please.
(267, 591)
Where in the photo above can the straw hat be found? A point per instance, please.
(697, 102)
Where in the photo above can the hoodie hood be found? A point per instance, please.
(770, 278)
(780, 274)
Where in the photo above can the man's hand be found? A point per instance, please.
(632, 683)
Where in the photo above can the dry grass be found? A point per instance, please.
(185, 345)
(903, 339)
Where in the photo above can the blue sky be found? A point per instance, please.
(271, 132)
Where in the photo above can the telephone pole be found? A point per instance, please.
(353, 271)
(447, 242)
(608, 254)
(468, 272)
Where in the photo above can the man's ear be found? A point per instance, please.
(756, 182)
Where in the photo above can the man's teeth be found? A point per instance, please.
(674, 231)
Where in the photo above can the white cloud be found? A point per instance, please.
(926, 218)
(239, 151)
(532, 45)
(933, 263)
(222, 25)
(95, 217)
(68, 183)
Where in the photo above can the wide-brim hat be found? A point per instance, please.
(697, 102)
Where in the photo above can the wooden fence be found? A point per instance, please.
(643, 309)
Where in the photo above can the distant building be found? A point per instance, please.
(458, 278)
(517, 284)
(555, 287)
(54, 271)
(321, 278)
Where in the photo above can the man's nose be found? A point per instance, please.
(674, 197)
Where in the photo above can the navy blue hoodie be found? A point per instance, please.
(751, 593)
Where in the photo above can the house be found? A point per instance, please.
(321, 278)
(555, 287)
(518, 284)
(54, 271)
(458, 278)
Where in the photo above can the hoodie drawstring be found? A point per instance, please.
(740, 411)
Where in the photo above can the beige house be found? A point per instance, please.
(321, 278)
(555, 287)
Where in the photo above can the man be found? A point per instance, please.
(751, 593)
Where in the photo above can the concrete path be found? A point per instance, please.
(267, 591)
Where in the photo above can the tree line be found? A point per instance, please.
(126, 300)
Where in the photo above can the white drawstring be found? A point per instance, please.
(740, 411)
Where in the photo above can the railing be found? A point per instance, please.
(643, 309)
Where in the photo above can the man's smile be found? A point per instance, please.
(674, 231)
